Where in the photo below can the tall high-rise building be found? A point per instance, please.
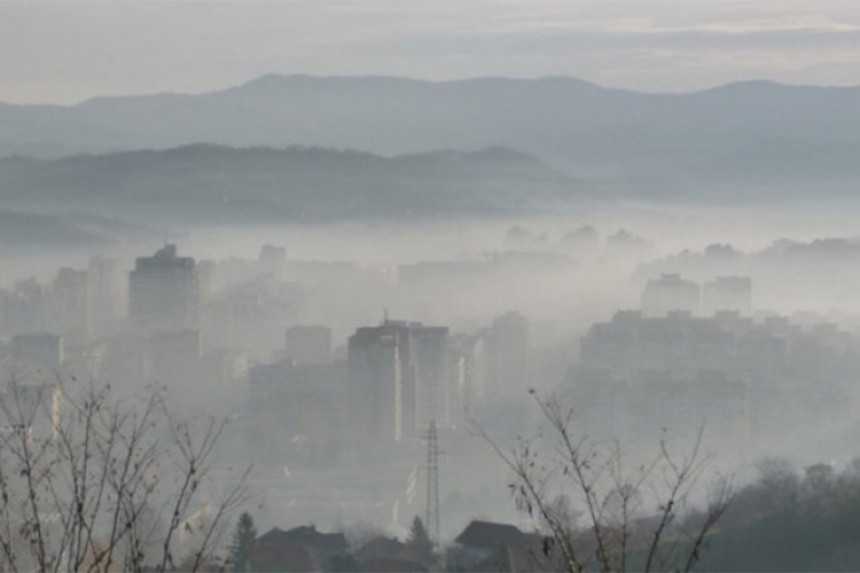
(727, 294)
(464, 381)
(69, 305)
(670, 293)
(398, 380)
(429, 367)
(109, 290)
(506, 348)
(375, 374)
(163, 291)
(273, 260)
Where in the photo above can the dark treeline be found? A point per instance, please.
(790, 521)
(782, 521)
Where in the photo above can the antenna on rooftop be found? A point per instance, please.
(385, 316)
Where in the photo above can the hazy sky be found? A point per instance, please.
(71, 50)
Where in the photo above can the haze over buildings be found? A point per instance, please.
(164, 291)
(377, 238)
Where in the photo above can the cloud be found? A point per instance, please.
(71, 50)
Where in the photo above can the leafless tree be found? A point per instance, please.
(91, 482)
(633, 518)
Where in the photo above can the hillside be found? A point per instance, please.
(202, 184)
(750, 141)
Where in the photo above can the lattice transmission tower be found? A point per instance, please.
(431, 517)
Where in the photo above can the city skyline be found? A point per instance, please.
(468, 285)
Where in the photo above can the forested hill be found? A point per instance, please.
(216, 184)
(741, 142)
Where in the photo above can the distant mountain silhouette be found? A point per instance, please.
(746, 141)
(205, 183)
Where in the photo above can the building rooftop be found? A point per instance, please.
(164, 258)
(491, 535)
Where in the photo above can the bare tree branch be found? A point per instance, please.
(611, 496)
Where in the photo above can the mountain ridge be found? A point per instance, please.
(206, 183)
(269, 79)
(741, 140)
